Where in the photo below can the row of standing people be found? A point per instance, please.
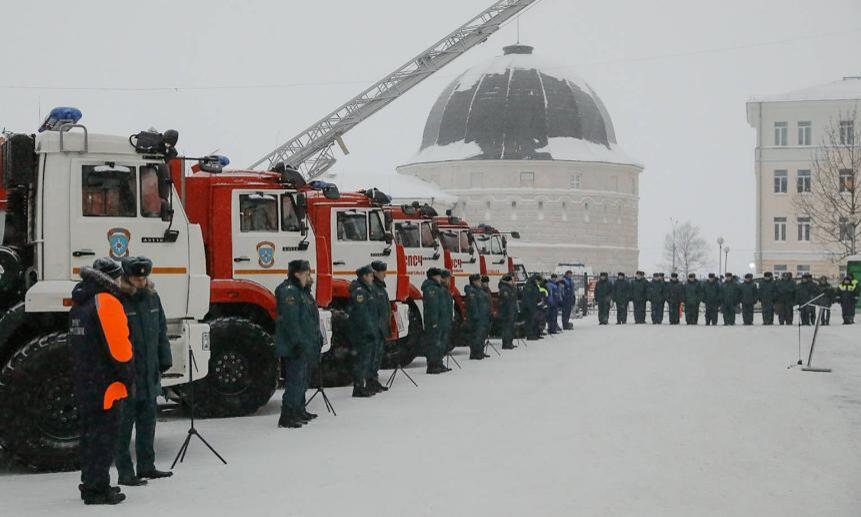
(119, 348)
(545, 301)
(727, 297)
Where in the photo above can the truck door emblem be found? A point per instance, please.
(118, 239)
(265, 254)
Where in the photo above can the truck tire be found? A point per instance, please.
(38, 407)
(243, 370)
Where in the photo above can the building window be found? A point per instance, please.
(779, 228)
(804, 229)
(514, 210)
(845, 229)
(780, 268)
(847, 180)
(527, 179)
(574, 181)
(780, 133)
(804, 133)
(847, 132)
(803, 181)
(780, 181)
(802, 269)
(541, 210)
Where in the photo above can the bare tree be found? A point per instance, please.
(830, 199)
(685, 251)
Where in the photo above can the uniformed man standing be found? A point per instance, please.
(621, 292)
(101, 354)
(675, 297)
(506, 311)
(384, 309)
(531, 299)
(657, 297)
(693, 297)
(365, 330)
(152, 357)
(806, 292)
(603, 296)
(826, 300)
(748, 295)
(847, 294)
(569, 298)
(554, 300)
(729, 297)
(767, 293)
(639, 295)
(477, 315)
(447, 301)
(434, 308)
(712, 299)
(786, 292)
(297, 340)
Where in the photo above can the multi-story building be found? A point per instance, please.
(790, 129)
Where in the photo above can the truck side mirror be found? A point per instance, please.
(515, 235)
(166, 211)
(389, 237)
(301, 206)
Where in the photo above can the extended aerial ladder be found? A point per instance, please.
(311, 152)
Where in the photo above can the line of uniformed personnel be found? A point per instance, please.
(298, 338)
(119, 349)
(727, 297)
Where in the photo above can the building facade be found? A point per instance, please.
(527, 148)
(790, 129)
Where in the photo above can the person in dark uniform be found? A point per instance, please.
(553, 300)
(298, 340)
(529, 307)
(657, 296)
(767, 293)
(569, 299)
(847, 294)
(447, 309)
(365, 330)
(621, 292)
(152, 357)
(603, 297)
(639, 295)
(748, 295)
(434, 308)
(729, 298)
(786, 293)
(675, 297)
(711, 298)
(384, 311)
(506, 311)
(804, 294)
(827, 300)
(102, 373)
(693, 297)
(478, 316)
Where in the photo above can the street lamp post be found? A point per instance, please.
(720, 254)
(674, 223)
(726, 259)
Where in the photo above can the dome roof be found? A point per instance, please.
(514, 107)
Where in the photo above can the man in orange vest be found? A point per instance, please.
(103, 374)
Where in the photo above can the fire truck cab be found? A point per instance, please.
(462, 259)
(493, 249)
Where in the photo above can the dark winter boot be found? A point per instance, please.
(131, 481)
(306, 416)
(360, 391)
(155, 474)
(376, 386)
(108, 496)
(289, 421)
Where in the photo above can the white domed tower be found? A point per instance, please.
(525, 146)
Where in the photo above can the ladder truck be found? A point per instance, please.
(72, 196)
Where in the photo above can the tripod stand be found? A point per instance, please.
(322, 392)
(487, 343)
(399, 368)
(448, 357)
(192, 431)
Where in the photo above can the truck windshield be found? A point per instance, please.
(496, 245)
(450, 241)
(408, 235)
(464, 242)
(427, 236)
(483, 243)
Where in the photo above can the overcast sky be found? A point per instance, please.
(674, 74)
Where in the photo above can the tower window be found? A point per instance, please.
(527, 179)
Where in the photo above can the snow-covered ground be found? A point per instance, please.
(634, 420)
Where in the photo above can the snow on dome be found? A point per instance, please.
(847, 88)
(517, 107)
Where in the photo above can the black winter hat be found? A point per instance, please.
(485, 279)
(473, 277)
(507, 277)
(604, 273)
(768, 274)
(137, 266)
(298, 266)
(692, 275)
(108, 266)
(712, 275)
(364, 270)
(674, 275)
(379, 265)
(749, 275)
(434, 271)
(445, 273)
(618, 274)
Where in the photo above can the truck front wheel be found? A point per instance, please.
(243, 370)
(38, 407)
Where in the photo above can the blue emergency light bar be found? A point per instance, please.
(59, 116)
